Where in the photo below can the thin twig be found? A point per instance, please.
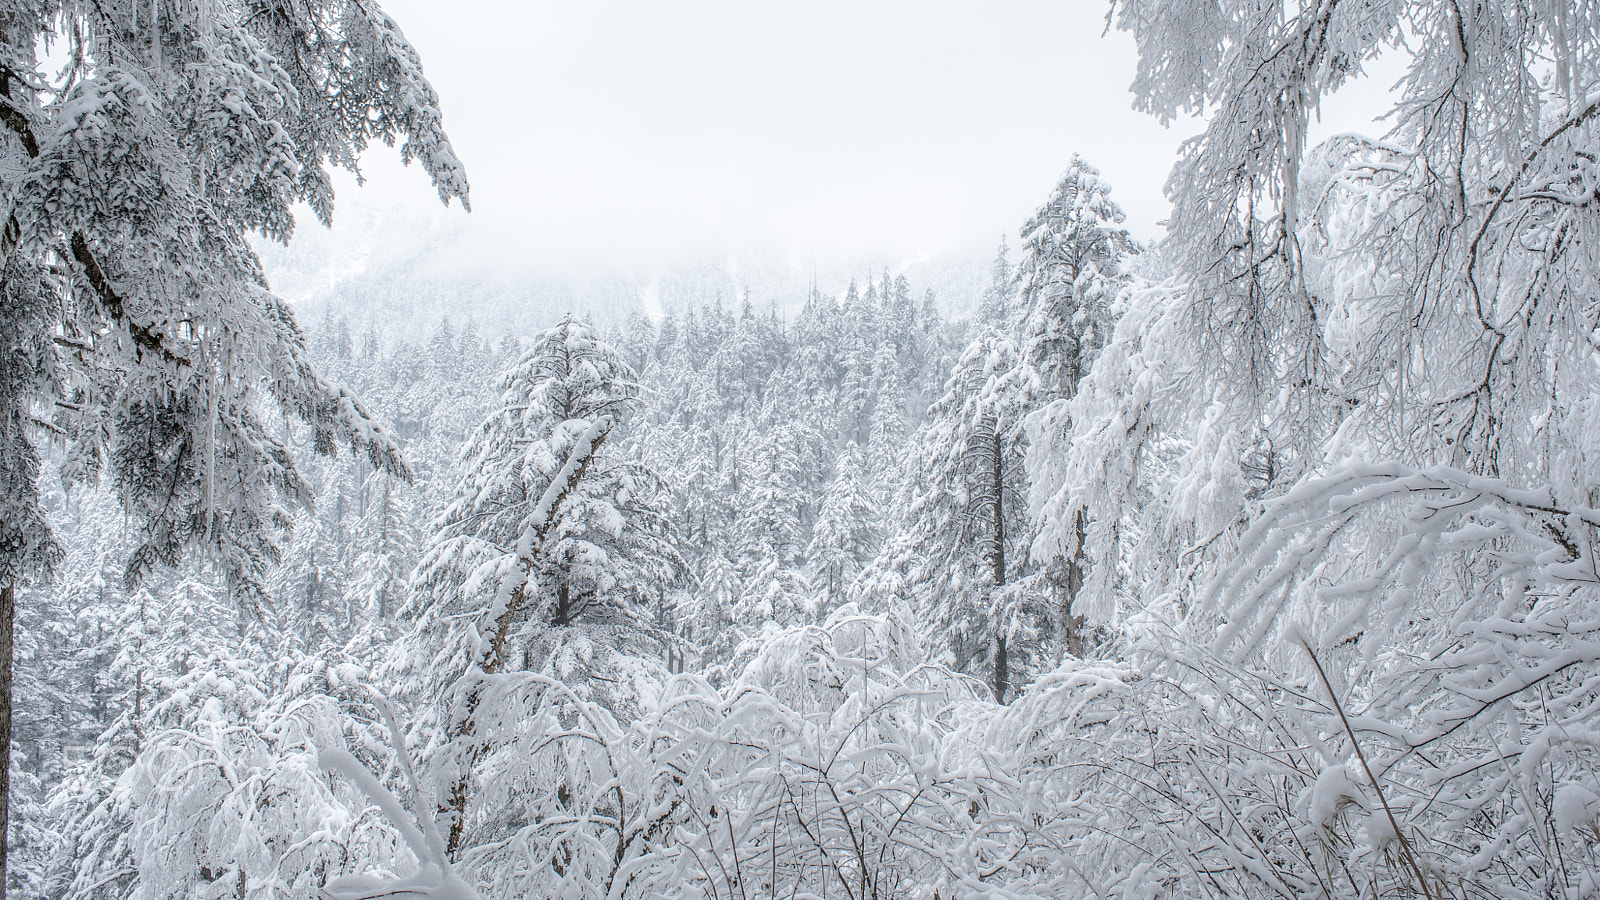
(1394, 824)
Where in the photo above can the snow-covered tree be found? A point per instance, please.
(710, 612)
(1068, 278)
(846, 533)
(134, 308)
(226, 796)
(969, 515)
(771, 501)
(1071, 250)
(997, 308)
(1352, 426)
(385, 550)
(548, 558)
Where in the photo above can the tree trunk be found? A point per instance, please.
(563, 616)
(1076, 575)
(8, 609)
(1002, 668)
(997, 560)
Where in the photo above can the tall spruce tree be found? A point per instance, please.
(1067, 279)
(847, 530)
(1070, 253)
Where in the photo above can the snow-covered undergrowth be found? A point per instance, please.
(843, 764)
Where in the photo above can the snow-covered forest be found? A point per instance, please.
(1257, 560)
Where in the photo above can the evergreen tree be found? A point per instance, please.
(997, 308)
(968, 519)
(846, 533)
(474, 352)
(771, 503)
(131, 302)
(385, 551)
(549, 556)
(711, 615)
(886, 453)
(444, 353)
(1072, 249)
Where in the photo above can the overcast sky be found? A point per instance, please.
(632, 135)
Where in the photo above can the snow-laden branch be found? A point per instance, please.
(1303, 564)
(435, 878)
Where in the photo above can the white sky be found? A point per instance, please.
(634, 135)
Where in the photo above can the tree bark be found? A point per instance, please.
(1002, 669)
(563, 616)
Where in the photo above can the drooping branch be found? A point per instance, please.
(14, 119)
(109, 298)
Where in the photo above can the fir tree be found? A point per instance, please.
(1072, 249)
(1071, 252)
(968, 519)
(997, 307)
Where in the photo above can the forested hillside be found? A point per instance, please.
(1257, 561)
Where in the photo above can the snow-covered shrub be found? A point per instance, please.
(225, 796)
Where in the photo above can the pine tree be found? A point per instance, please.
(886, 438)
(1072, 249)
(774, 594)
(997, 307)
(385, 551)
(474, 352)
(444, 353)
(770, 503)
(858, 339)
(711, 614)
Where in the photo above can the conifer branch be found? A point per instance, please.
(109, 298)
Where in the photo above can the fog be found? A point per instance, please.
(777, 144)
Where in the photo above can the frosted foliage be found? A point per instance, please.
(1067, 277)
(549, 530)
(962, 556)
(840, 762)
(845, 535)
(134, 304)
(1423, 297)
(1347, 451)
(235, 772)
(1257, 563)
(1089, 454)
(539, 570)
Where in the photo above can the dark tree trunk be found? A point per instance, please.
(997, 559)
(1076, 574)
(1002, 669)
(563, 615)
